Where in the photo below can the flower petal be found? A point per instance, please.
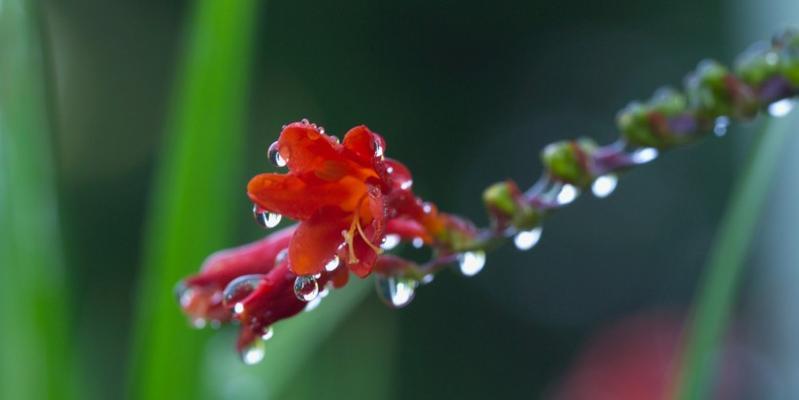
(316, 241)
(305, 148)
(365, 144)
(299, 197)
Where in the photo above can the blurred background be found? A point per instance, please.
(465, 93)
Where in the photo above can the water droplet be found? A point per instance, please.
(395, 291)
(644, 155)
(313, 304)
(281, 256)
(526, 240)
(306, 288)
(378, 149)
(332, 264)
(567, 194)
(274, 156)
(240, 288)
(471, 262)
(184, 294)
(268, 333)
(604, 185)
(265, 218)
(238, 308)
(721, 125)
(198, 323)
(254, 352)
(427, 279)
(390, 241)
(781, 108)
(417, 242)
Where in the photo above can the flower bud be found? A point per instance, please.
(570, 161)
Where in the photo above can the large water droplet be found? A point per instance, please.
(395, 291)
(274, 156)
(306, 288)
(471, 262)
(254, 352)
(240, 288)
(526, 240)
(390, 241)
(781, 108)
(265, 218)
(721, 125)
(332, 264)
(567, 194)
(644, 155)
(604, 185)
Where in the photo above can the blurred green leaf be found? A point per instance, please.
(198, 193)
(716, 295)
(35, 333)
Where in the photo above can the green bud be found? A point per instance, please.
(635, 124)
(500, 197)
(707, 92)
(569, 161)
(757, 64)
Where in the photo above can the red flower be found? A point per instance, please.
(337, 192)
(347, 197)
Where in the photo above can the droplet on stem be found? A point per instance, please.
(396, 292)
(644, 155)
(471, 262)
(720, 126)
(390, 241)
(526, 240)
(781, 108)
(567, 194)
(254, 352)
(306, 288)
(604, 185)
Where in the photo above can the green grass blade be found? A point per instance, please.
(34, 330)
(716, 295)
(198, 195)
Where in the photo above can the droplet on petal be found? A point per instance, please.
(332, 264)
(390, 241)
(378, 149)
(471, 262)
(198, 323)
(417, 242)
(274, 156)
(265, 218)
(526, 240)
(604, 185)
(240, 288)
(306, 288)
(254, 352)
(781, 108)
(396, 292)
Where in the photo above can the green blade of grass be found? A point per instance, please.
(198, 191)
(34, 329)
(716, 295)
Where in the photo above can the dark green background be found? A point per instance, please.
(465, 93)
